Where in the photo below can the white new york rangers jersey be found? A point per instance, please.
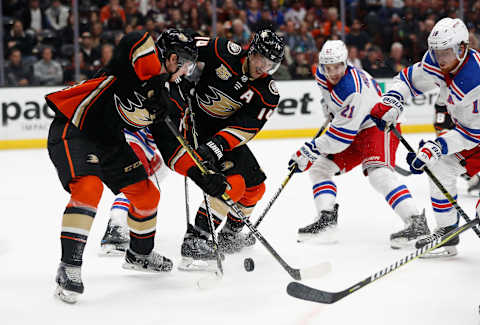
(350, 102)
(460, 91)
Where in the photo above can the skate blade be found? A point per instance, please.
(191, 265)
(327, 237)
(402, 244)
(441, 252)
(70, 297)
(111, 250)
(209, 281)
(133, 267)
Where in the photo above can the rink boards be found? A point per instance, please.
(25, 117)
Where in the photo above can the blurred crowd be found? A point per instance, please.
(383, 36)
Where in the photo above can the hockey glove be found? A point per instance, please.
(443, 121)
(304, 158)
(428, 154)
(386, 112)
(214, 184)
(158, 102)
(212, 150)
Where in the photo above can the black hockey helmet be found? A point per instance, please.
(175, 41)
(268, 44)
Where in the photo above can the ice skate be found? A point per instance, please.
(448, 249)
(198, 253)
(69, 283)
(153, 262)
(415, 230)
(323, 230)
(233, 240)
(115, 241)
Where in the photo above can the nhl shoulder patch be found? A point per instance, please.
(233, 48)
(223, 73)
(272, 86)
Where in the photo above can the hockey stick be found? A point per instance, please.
(402, 171)
(284, 183)
(211, 227)
(304, 292)
(435, 180)
(297, 274)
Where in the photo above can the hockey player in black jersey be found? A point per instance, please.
(88, 148)
(233, 99)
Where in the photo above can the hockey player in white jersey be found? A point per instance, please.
(116, 239)
(455, 68)
(352, 139)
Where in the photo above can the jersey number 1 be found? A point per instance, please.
(475, 107)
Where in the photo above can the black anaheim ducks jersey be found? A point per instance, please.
(114, 100)
(227, 102)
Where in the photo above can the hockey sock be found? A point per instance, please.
(246, 204)
(324, 195)
(119, 210)
(76, 225)
(444, 212)
(142, 215)
(201, 219)
(397, 195)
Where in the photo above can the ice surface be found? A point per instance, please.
(422, 292)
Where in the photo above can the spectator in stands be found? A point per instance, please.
(107, 53)
(303, 41)
(357, 37)
(16, 73)
(97, 34)
(132, 15)
(296, 13)
(90, 53)
(57, 15)
(47, 72)
(375, 65)
(333, 25)
(396, 62)
(254, 14)
(317, 9)
(113, 15)
(228, 12)
(276, 13)
(239, 32)
(159, 12)
(301, 69)
(353, 57)
(290, 34)
(33, 17)
(176, 19)
(17, 38)
(69, 73)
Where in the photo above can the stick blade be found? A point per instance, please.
(301, 291)
(316, 271)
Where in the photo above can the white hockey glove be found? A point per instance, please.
(304, 158)
(386, 111)
(428, 153)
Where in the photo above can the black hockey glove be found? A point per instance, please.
(213, 184)
(158, 102)
(212, 150)
(443, 121)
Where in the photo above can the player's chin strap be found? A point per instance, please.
(435, 179)
(285, 182)
(297, 274)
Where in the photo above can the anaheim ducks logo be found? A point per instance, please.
(219, 104)
(133, 113)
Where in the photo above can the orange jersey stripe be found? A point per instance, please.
(67, 150)
(261, 97)
(147, 66)
(230, 138)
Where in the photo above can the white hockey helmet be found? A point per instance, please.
(448, 33)
(333, 52)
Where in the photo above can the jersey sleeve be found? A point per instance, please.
(250, 119)
(344, 126)
(414, 80)
(142, 54)
(466, 133)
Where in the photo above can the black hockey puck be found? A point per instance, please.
(248, 264)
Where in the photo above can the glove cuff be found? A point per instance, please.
(442, 144)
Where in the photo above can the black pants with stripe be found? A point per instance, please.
(74, 154)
